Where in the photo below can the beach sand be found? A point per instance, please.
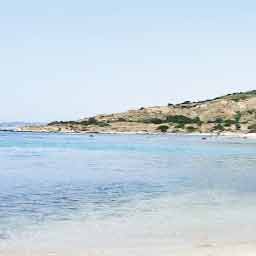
(240, 249)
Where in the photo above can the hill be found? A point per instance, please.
(230, 113)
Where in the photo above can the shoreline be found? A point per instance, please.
(219, 249)
(225, 134)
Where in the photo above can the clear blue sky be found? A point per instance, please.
(64, 59)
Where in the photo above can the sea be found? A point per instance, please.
(78, 194)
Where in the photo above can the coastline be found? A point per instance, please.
(224, 134)
(221, 249)
(229, 115)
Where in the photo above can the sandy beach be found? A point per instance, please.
(239, 249)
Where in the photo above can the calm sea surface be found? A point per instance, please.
(60, 190)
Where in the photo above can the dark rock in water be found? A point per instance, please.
(91, 135)
(204, 138)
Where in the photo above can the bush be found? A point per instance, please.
(180, 126)
(191, 129)
(238, 116)
(219, 120)
(63, 123)
(251, 111)
(238, 126)
(163, 128)
(92, 120)
(218, 127)
(228, 122)
(84, 122)
(186, 102)
(103, 124)
(153, 121)
(180, 119)
(121, 119)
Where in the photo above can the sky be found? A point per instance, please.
(63, 60)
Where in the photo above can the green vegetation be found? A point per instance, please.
(228, 122)
(180, 126)
(218, 127)
(182, 120)
(186, 116)
(163, 128)
(63, 123)
(219, 120)
(153, 121)
(121, 119)
(102, 124)
(186, 102)
(191, 129)
(238, 96)
(221, 123)
(251, 111)
(90, 121)
(179, 120)
(238, 116)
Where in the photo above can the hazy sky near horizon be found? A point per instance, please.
(62, 60)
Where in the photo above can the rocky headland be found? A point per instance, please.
(232, 113)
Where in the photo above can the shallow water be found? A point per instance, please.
(64, 192)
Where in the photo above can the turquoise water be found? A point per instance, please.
(146, 188)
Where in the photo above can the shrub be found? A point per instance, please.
(186, 102)
(163, 128)
(121, 119)
(237, 98)
(180, 126)
(238, 116)
(228, 122)
(218, 127)
(103, 124)
(191, 129)
(54, 123)
(238, 126)
(153, 121)
(92, 120)
(251, 111)
(219, 120)
(180, 119)
(84, 122)
(63, 123)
